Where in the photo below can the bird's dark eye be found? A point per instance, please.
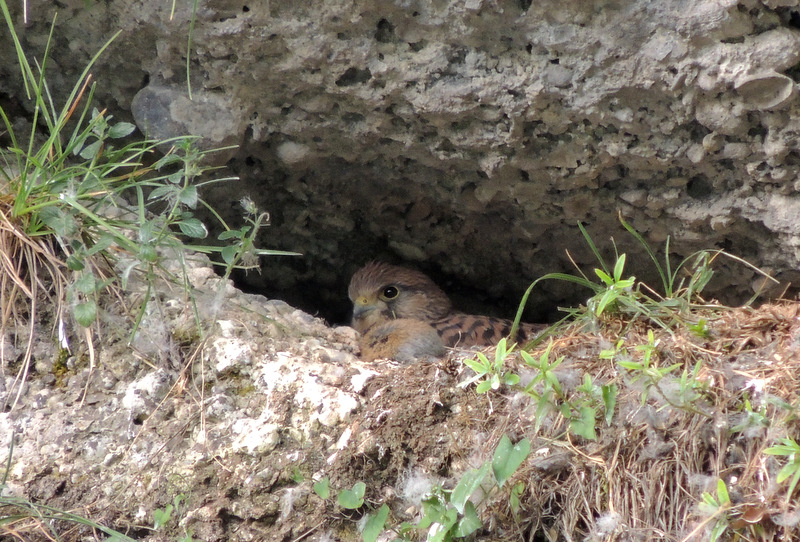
(390, 292)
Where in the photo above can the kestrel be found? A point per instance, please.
(402, 314)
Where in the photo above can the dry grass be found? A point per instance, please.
(644, 476)
(30, 271)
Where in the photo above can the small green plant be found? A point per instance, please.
(322, 488)
(717, 511)
(446, 514)
(551, 390)
(375, 524)
(545, 389)
(583, 408)
(491, 371)
(689, 387)
(700, 328)
(514, 498)
(790, 449)
(296, 475)
(681, 287)
(753, 418)
(449, 515)
(163, 516)
(353, 499)
(647, 369)
(615, 287)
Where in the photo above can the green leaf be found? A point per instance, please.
(77, 143)
(352, 499)
(584, 425)
(322, 488)
(718, 530)
(437, 533)
(166, 190)
(101, 244)
(121, 129)
(147, 253)
(500, 352)
(75, 263)
(631, 365)
(786, 471)
(722, 492)
(375, 524)
(709, 500)
(608, 297)
(604, 277)
(625, 284)
(507, 458)
(85, 313)
(552, 380)
(476, 366)
(192, 227)
(91, 150)
(484, 386)
(470, 481)
(161, 517)
(789, 446)
(167, 160)
(513, 498)
(440, 531)
(543, 407)
(233, 234)
(619, 267)
(609, 400)
(188, 196)
(59, 221)
(433, 509)
(229, 254)
(793, 484)
(85, 283)
(296, 475)
(469, 523)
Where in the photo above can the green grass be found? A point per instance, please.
(615, 294)
(85, 206)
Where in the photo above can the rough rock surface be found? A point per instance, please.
(224, 422)
(467, 138)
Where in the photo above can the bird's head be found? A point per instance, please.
(382, 292)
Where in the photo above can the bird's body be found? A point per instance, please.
(401, 312)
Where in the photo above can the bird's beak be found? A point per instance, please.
(360, 308)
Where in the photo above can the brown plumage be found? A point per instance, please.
(383, 294)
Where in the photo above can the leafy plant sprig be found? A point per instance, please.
(490, 372)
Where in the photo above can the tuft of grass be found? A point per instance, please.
(68, 234)
(615, 294)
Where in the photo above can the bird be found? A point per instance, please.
(400, 312)
(403, 339)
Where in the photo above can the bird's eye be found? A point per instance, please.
(390, 292)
